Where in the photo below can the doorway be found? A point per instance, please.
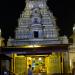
(38, 64)
(36, 34)
(42, 64)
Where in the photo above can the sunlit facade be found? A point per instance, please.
(41, 46)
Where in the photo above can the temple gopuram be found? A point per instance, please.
(37, 42)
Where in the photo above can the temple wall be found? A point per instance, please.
(20, 65)
(71, 58)
(66, 64)
(53, 64)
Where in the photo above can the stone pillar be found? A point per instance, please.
(47, 64)
(66, 65)
(71, 57)
(12, 62)
(61, 61)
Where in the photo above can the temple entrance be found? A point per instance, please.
(40, 64)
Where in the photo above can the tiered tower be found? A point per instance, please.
(36, 25)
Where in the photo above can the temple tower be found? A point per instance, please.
(36, 25)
